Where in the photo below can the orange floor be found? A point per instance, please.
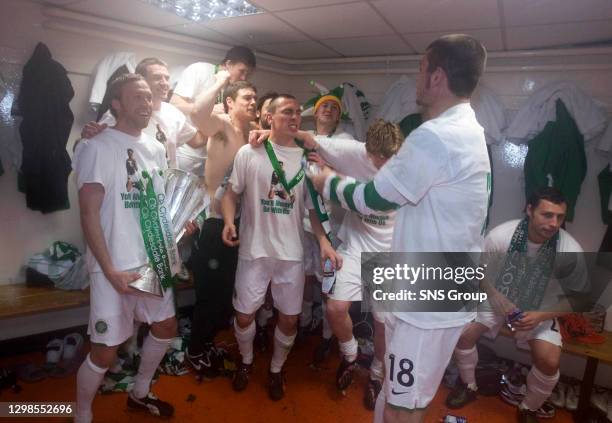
(310, 397)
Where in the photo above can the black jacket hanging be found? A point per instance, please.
(43, 103)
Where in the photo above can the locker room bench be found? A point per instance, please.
(593, 354)
(21, 300)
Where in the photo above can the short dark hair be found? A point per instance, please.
(546, 193)
(141, 67)
(462, 58)
(231, 91)
(274, 103)
(116, 86)
(240, 54)
(270, 95)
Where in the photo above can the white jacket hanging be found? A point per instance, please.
(104, 70)
(490, 113)
(398, 102)
(590, 115)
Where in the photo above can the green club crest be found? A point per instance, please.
(101, 326)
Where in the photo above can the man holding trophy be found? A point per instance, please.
(117, 253)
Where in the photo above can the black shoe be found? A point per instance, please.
(206, 364)
(241, 377)
(344, 375)
(371, 392)
(524, 415)
(323, 350)
(460, 396)
(276, 388)
(261, 339)
(150, 403)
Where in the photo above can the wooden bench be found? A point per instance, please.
(21, 300)
(593, 354)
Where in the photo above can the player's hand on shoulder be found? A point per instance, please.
(91, 129)
(258, 136)
(121, 280)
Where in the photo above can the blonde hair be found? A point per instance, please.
(383, 139)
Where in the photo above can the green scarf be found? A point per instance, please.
(523, 280)
(156, 227)
(317, 201)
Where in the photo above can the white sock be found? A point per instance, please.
(539, 388)
(245, 341)
(89, 378)
(282, 346)
(377, 371)
(466, 362)
(349, 349)
(306, 316)
(153, 351)
(327, 330)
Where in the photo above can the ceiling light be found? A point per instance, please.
(205, 10)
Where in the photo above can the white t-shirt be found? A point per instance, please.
(270, 225)
(195, 79)
(105, 160)
(498, 241)
(358, 233)
(170, 122)
(441, 178)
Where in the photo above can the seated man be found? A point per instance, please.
(539, 236)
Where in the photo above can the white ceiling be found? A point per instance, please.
(308, 29)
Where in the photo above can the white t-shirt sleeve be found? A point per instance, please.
(185, 133)
(346, 156)
(238, 177)
(421, 162)
(90, 164)
(194, 80)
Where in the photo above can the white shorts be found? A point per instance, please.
(112, 315)
(348, 279)
(547, 330)
(253, 277)
(312, 257)
(415, 361)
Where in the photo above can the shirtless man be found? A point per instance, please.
(214, 264)
(198, 78)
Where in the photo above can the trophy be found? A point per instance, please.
(168, 200)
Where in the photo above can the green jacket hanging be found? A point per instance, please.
(556, 158)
